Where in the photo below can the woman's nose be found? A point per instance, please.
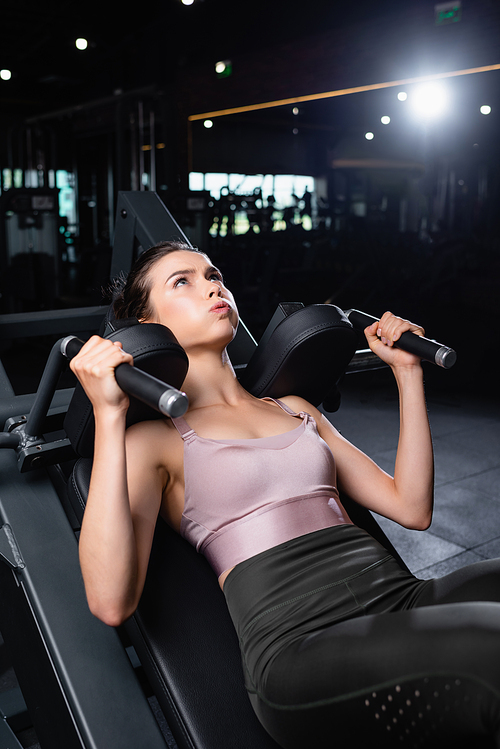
(214, 289)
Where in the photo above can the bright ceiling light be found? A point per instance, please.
(208, 124)
(369, 136)
(385, 119)
(429, 100)
(223, 68)
(485, 109)
(81, 43)
(402, 96)
(5, 75)
(187, 2)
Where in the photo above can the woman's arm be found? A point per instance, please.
(125, 491)
(406, 498)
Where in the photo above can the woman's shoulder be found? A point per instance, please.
(154, 427)
(154, 439)
(298, 404)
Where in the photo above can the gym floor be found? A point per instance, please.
(466, 434)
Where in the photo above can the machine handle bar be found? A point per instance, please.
(143, 386)
(425, 348)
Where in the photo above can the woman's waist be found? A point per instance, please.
(326, 558)
(271, 526)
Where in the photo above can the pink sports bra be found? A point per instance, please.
(243, 497)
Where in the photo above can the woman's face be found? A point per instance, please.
(189, 297)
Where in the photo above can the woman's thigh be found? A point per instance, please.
(410, 678)
(341, 647)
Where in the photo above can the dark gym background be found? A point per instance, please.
(265, 164)
(407, 220)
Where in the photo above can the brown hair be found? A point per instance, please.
(131, 293)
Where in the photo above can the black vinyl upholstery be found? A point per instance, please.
(181, 630)
(319, 335)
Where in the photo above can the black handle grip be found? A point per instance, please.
(426, 349)
(143, 386)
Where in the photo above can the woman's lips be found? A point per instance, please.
(220, 307)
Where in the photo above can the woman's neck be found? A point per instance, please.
(211, 380)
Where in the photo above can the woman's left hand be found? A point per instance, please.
(382, 335)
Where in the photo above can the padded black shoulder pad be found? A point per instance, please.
(305, 355)
(156, 351)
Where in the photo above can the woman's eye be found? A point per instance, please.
(216, 277)
(179, 282)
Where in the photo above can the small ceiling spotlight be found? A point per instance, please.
(81, 43)
(485, 109)
(402, 96)
(187, 2)
(385, 119)
(208, 124)
(5, 75)
(223, 68)
(369, 136)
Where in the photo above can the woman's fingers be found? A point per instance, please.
(99, 352)
(95, 366)
(390, 328)
(382, 335)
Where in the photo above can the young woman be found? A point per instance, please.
(339, 643)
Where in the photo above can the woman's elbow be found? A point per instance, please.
(419, 521)
(112, 615)
(420, 524)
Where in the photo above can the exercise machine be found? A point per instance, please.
(172, 672)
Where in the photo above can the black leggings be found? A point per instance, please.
(342, 647)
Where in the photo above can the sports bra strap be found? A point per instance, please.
(182, 427)
(282, 405)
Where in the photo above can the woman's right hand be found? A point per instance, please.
(94, 366)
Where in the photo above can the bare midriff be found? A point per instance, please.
(222, 578)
